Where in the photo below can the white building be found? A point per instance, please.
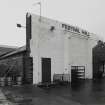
(57, 48)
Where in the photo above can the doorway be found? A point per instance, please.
(46, 70)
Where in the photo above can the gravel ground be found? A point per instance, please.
(84, 93)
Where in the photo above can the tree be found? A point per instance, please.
(98, 58)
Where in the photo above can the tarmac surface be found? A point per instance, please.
(88, 92)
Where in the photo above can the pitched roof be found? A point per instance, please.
(18, 50)
(6, 49)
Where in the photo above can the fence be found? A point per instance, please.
(61, 78)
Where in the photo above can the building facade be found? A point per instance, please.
(57, 48)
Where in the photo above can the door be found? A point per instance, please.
(46, 70)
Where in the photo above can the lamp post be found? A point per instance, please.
(20, 26)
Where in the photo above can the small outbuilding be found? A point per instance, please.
(16, 64)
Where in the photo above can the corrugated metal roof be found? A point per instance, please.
(20, 49)
(6, 49)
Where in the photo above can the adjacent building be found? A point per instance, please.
(16, 64)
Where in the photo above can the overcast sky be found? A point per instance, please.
(87, 14)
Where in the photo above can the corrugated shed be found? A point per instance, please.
(21, 49)
(6, 49)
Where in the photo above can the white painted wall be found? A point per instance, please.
(45, 43)
(65, 49)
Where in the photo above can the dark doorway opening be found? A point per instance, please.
(46, 70)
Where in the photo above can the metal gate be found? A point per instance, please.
(77, 73)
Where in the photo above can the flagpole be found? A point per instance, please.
(39, 3)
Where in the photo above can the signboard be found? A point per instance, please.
(74, 29)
